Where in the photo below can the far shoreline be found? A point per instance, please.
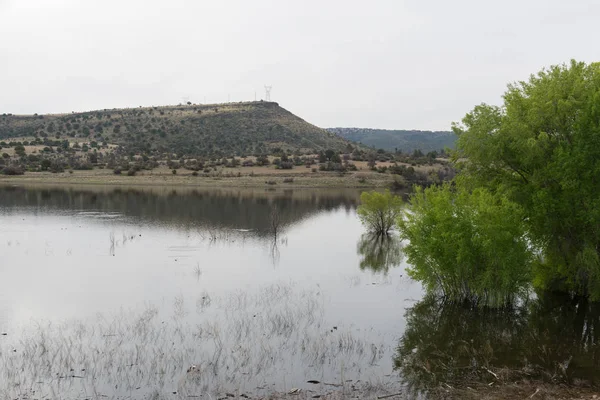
(319, 180)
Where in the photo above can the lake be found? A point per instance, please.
(118, 292)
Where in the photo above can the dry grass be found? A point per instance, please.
(227, 177)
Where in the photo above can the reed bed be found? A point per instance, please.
(273, 339)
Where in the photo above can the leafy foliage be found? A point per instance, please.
(541, 150)
(466, 245)
(378, 211)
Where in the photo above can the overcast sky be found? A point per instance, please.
(397, 64)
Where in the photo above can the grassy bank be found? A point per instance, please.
(235, 177)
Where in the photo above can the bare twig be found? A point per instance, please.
(495, 376)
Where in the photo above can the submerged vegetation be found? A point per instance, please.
(260, 337)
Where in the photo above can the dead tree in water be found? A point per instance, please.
(275, 223)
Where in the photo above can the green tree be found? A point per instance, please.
(45, 164)
(379, 211)
(20, 150)
(467, 245)
(541, 149)
(329, 154)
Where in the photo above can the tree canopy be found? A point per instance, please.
(379, 211)
(467, 245)
(541, 150)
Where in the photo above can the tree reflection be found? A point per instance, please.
(379, 253)
(553, 338)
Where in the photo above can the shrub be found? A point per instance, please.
(397, 184)
(12, 171)
(288, 180)
(362, 177)
(117, 171)
(195, 173)
(57, 167)
(467, 245)
(174, 172)
(379, 211)
(131, 172)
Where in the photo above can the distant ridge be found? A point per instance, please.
(403, 140)
(194, 130)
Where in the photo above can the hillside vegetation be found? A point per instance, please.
(191, 130)
(205, 141)
(401, 140)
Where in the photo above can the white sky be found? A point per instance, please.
(396, 64)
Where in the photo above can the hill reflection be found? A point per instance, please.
(208, 208)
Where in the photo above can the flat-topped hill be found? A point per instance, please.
(203, 130)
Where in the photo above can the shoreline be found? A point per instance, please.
(287, 181)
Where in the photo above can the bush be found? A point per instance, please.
(379, 211)
(117, 171)
(397, 184)
(45, 164)
(288, 180)
(174, 172)
(56, 167)
(468, 246)
(12, 171)
(131, 172)
(195, 173)
(362, 177)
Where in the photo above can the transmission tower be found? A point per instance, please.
(268, 93)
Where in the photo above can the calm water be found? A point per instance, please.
(162, 293)
(123, 286)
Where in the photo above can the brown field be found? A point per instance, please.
(224, 177)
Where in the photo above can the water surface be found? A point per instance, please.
(202, 277)
(171, 292)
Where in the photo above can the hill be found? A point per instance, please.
(191, 130)
(405, 141)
